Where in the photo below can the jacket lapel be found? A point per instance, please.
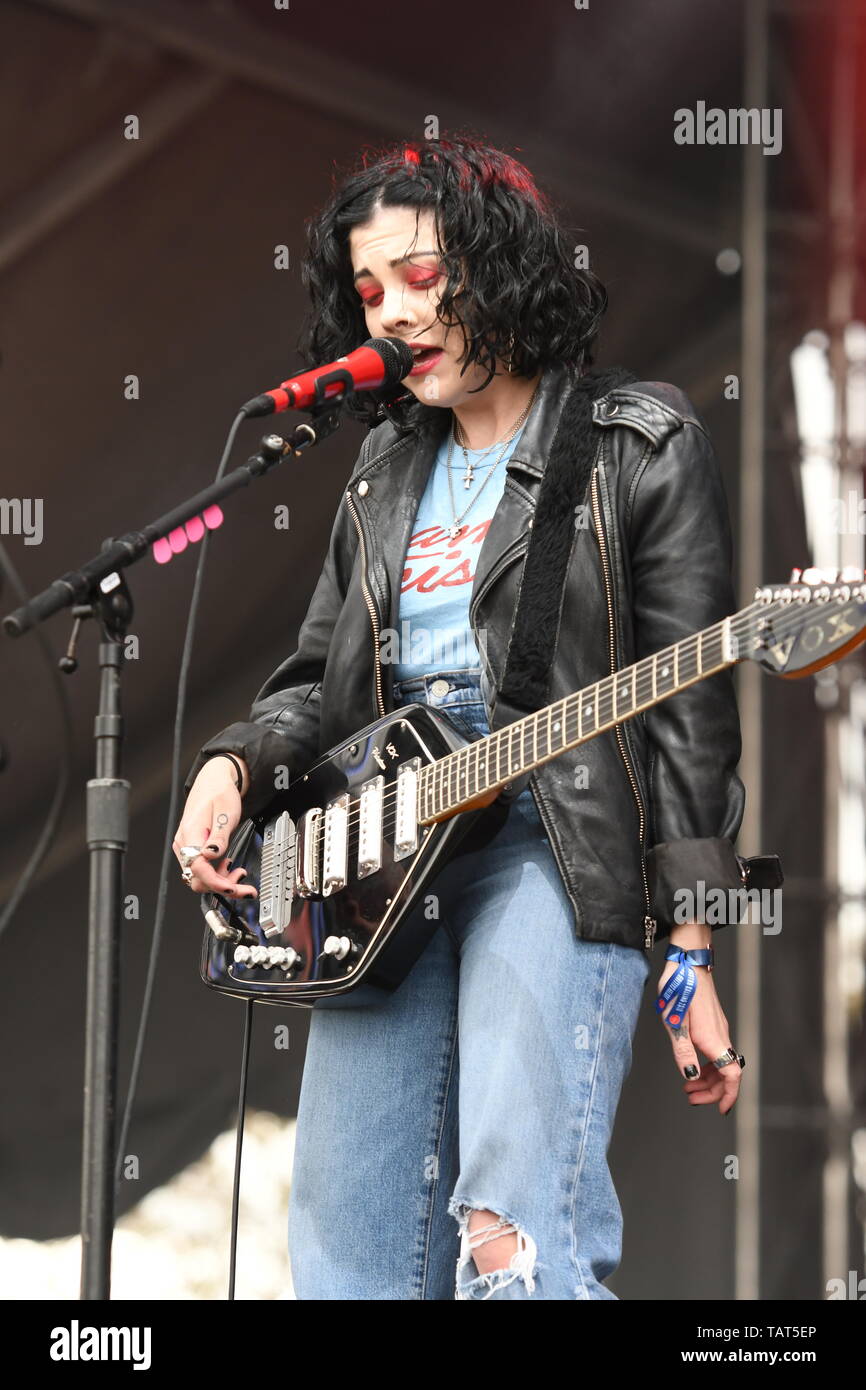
(392, 498)
(526, 468)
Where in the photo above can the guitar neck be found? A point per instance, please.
(496, 759)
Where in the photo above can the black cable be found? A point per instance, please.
(171, 825)
(239, 1143)
(52, 820)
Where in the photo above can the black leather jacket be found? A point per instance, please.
(659, 803)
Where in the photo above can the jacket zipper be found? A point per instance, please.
(374, 618)
(649, 923)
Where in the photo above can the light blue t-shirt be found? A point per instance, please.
(434, 633)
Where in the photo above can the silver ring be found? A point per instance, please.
(727, 1057)
(186, 874)
(188, 853)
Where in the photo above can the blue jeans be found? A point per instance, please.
(488, 1080)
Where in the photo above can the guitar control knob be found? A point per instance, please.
(259, 955)
(291, 958)
(242, 955)
(337, 946)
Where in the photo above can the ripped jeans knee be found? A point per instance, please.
(522, 1265)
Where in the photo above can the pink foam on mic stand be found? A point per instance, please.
(193, 530)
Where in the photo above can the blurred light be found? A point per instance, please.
(813, 390)
(855, 351)
(729, 261)
(814, 398)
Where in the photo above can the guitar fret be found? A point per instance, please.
(626, 693)
(590, 707)
(606, 701)
(527, 742)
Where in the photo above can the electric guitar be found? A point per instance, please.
(342, 855)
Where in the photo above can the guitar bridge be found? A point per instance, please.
(277, 875)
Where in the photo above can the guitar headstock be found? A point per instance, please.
(815, 619)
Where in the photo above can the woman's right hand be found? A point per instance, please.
(213, 810)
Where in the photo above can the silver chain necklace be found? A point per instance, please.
(468, 478)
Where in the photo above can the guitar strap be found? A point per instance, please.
(532, 644)
(564, 486)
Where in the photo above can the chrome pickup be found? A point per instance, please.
(406, 815)
(307, 878)
(370, 832)
(335, 859)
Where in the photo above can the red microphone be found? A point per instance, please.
(379, 362)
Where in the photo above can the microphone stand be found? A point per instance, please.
(99, 590)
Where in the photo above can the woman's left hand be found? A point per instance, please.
(704, 1027)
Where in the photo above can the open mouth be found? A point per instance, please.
(425, 358)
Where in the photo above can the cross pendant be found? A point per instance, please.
(452, 532)
(468, 476)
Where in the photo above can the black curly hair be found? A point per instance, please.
(509, 267)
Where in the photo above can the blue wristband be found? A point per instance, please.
(682, 983)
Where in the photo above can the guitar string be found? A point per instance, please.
(643, 684)
(787, 619)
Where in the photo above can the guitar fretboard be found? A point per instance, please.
(496, 759)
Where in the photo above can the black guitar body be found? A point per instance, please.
(368, 916)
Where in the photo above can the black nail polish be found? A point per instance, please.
(691, 1072)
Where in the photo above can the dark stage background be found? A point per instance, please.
(155, 257)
